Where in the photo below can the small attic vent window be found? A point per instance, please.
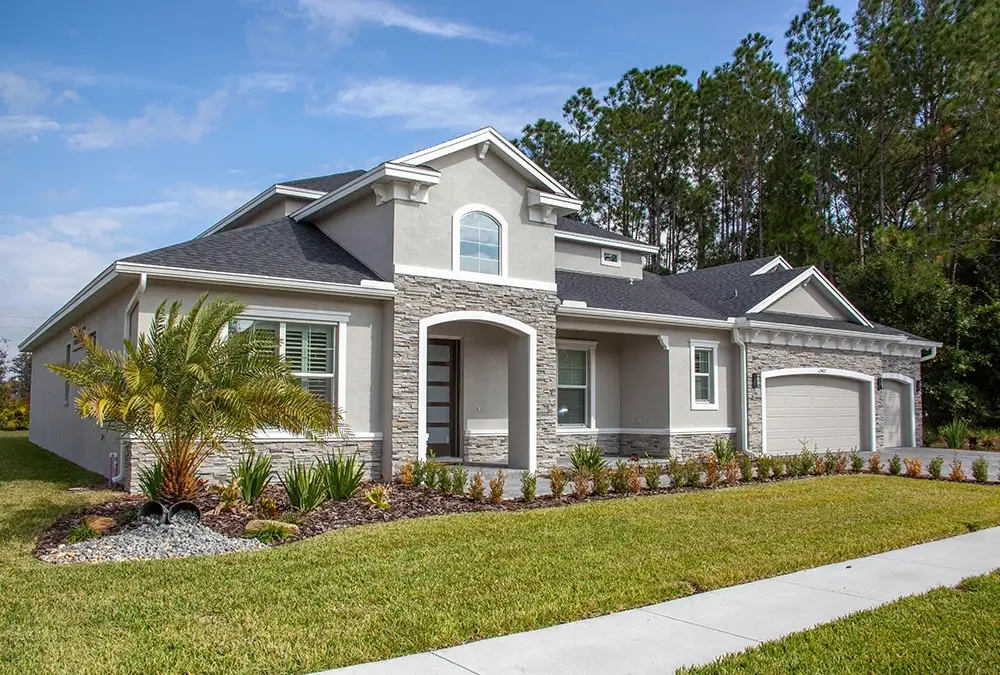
(611, 258)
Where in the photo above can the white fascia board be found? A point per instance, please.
(811, 274)
(608, 243)
(642, 317)
(95, 285)
(777, 262)
(498, 144)
(818, 330)
(254, 281)
(540, 198)
(260, 201)
(382, 172)
(922, 343)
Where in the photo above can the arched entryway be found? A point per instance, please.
(521, 381)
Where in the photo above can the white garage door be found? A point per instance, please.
(892, 413)
(821, 410)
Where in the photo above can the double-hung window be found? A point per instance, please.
(576, 384)
(704, 375)
(310, 349)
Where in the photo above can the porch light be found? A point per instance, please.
(880, 384)
(755, 381)
(918, 386)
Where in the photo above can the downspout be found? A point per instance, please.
(742, 431)
(116, 458)
(925, 359)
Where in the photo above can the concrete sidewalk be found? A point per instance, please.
(699, 628)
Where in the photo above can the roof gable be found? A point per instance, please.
(807, 276)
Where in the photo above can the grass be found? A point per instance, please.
(949, 630)
(379, 591)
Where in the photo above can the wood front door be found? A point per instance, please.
(442, 398)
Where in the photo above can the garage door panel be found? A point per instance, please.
(892, 414)
(822, 410)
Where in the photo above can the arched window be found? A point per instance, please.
(479, 243)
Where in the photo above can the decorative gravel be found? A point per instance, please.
(150, 540)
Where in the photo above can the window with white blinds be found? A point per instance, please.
(310, 350)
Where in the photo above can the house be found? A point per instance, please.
(446, 302)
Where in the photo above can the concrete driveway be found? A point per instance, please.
(927, 454)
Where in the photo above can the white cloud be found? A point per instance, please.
(14, 127)
(446, 105)
(84, 78)
(21, 95)
(341, 19)
(158, 123)
(279, 83)
(211, 200)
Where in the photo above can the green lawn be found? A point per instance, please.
(948, 630)
(386, 590)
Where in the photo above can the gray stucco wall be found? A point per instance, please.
(808, 300)
(365, 230)
(578, 257)
(682, 414)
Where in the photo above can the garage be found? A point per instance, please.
(896, 407)
(826, 411)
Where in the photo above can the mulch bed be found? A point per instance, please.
(122, 507)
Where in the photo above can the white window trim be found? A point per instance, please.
(590, 347)
(456, 245)
(618, 257)
(714, 346)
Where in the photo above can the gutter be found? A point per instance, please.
(640, 317)
(925, 359)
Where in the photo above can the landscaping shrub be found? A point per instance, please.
(581, 484)
(724, 449)
(957, 472)
(895, 465)
(496, 487)
(433, 471)
(914, 466)
(806, 460)
(557, 480)
(934, 467)
(529, 480)
(673, 471)
(791, 463)
(342, 476)
(151, 480)
(763, 466)
(419, 472)
(840, 464)
(253, 472)
(955, 433)
(691, 472)
(79, 533)
(731, 471)
(710, 464)
(746, 467)
(634, 477)
(406, 472)
(587, 456)
(269, 533)
(378, 497)
(230, 494)
(443, 480)
(459, 478)
(819, 465)
(651, 472)
(305, 486)
(267, 508)
(875, 462)
(618, 477)
(857, 463)
(291, 518)
(980, 469)
(477, 488)
(600, 481)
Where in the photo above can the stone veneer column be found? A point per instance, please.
(421, 297)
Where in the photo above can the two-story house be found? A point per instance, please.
(446, 302)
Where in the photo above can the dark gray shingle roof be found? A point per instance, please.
(732, 289)
(325, 183)
(648, 294)
(277, 248)
(564, 224)
(819, 322)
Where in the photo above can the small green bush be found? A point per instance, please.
(935, 467)
(724, 449)
(459, 478)
(619, 476)
(342, 476)
(378, 497)
(980, 469)
(955, 433)
(791, 463)
(746, 467)
(252, 473)
(529, 480)
(444, 477)
(807, 461)
(651, 473)
(305, 486)
(80, 532)
(557, 481)
(477, 488)
(432, 474)
(857, 463)
(599, 481)
(151, 481)
(587, 456)
(270, 533)
(496, 487)
(829, 463)
(895, 465)
(419, 472)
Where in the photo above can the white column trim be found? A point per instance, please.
(833, 372)
(342, 369)
(911, 383)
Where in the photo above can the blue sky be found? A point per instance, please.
(127, 126)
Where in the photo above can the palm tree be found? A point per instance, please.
(183, 389)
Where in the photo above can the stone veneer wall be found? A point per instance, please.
(761, 358)
(283, 453)
(485, 449)
(420, 297)
(659, 446)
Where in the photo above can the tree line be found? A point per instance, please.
(872, 152)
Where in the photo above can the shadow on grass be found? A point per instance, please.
(21, 460)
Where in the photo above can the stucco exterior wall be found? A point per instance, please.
(483, 386)
(682, 414)
(56, 426)
(579, 257)
(282, 206)
(644, 384)
(364, 337)
(809, 300)
(365, 230)
(424, 234)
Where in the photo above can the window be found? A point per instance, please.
(611, 258)
(576, 384)
(69, 358)
(310, 350)
(704, 375)
(479, 243)
(76, 341)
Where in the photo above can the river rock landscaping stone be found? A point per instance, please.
(149, 540)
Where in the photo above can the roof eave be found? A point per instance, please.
(610, 243)
(259, 202)
(641, 317)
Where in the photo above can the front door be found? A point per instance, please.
(442, 398)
